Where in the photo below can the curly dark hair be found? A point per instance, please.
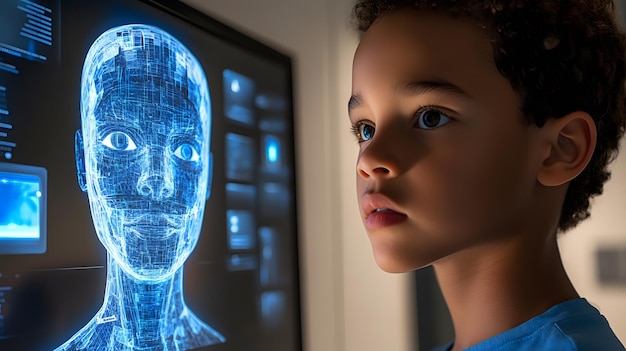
(560, 56)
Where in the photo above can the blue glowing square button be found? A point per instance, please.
(272, 153)
(239, 97)
(241, 230)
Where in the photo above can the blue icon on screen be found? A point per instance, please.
(272, 306)
(241, 230)
(273, 161)
(272, 149)
(239, 97)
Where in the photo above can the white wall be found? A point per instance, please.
(605, 228)
(349, 304)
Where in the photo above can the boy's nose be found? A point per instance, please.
(379, 158)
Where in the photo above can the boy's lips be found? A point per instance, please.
(380, 212)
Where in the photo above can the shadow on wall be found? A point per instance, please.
(621, 8)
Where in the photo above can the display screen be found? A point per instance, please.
(147, 193)
(22, 209)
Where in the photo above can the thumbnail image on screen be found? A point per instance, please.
(239, 92)
(22, 209)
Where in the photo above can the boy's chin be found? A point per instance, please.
(400, 257)
(392, 264)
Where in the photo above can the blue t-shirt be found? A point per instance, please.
(573, 325)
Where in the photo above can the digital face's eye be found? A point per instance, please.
(186, 152)
(363, 131)
(119, 141)
(429, 118)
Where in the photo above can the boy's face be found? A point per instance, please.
(446, 156)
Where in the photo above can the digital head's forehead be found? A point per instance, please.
(143, 64)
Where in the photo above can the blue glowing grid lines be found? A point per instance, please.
(143, 158)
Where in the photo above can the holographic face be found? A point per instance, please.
(145, 135)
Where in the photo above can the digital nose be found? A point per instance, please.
(155, 187)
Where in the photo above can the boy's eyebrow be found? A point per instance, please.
(430, 86)
(418, 88)
(354, 102)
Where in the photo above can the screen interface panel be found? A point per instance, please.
(147, 197)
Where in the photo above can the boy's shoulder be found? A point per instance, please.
(573, 325)
(586, 328)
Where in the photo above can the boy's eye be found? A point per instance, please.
(363, 131)
(430, 118)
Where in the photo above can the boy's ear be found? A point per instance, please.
(571, 140)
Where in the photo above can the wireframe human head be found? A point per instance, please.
(143, 154)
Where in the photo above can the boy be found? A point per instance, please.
(484, 129)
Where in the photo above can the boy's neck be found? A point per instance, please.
(500, 285)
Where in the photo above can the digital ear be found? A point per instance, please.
(79, 150)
